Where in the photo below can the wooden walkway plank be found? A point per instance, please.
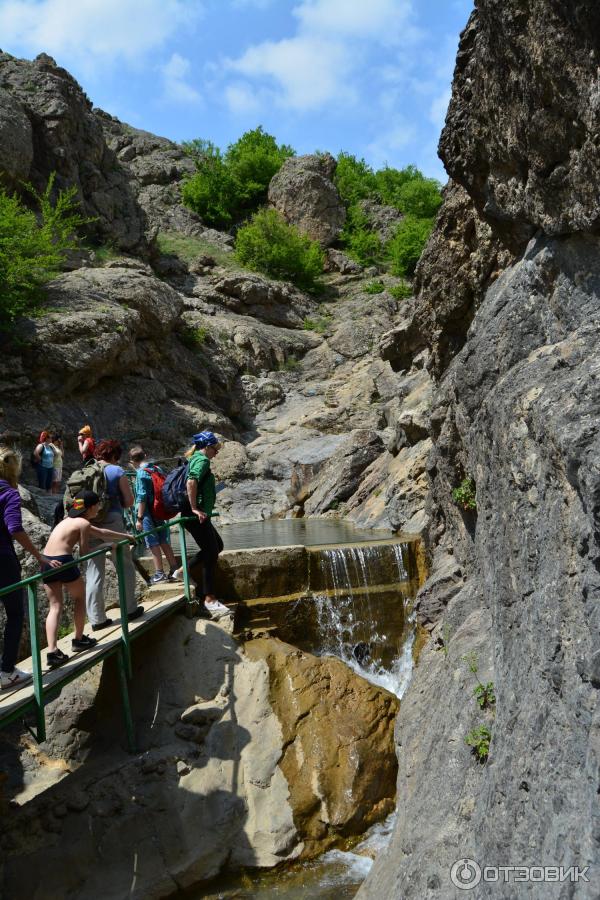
(169, 599)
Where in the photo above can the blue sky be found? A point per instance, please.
(371, 77)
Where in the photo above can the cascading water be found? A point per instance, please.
(370, 630)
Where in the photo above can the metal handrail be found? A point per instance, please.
(125, 669)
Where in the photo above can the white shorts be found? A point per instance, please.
(57, 476)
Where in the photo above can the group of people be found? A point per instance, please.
(47, 457)
(78, 529)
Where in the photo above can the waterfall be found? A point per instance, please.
(368, 625)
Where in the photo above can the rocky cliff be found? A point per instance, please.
(152, 347)
(510, 287)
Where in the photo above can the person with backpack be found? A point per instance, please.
(86, 443)
(11, 529)
(118, 496)
(44, 457)
(198, 502)
(76, 529)
(151, 514)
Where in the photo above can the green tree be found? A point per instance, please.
(360, 242)
(252, 161)
(354, 179)
(33, 246)
(212, 191)
(405, 247)
(420, 197)
(268, 244)
(389, 181)
(226, 187)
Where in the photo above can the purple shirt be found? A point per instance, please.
(10, 516)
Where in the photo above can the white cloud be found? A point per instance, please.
(381, 20)
(242, 99)
(89, 32)
(176, 87)
(318, 65)
(307, 72)
(386, 149)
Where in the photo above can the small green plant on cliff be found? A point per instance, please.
(464, 495)
(33, 246)
(479, 740)
(374, 287)
(484, 694)
(269, 245)
(401, 291)
(319, 325)
(193, 338)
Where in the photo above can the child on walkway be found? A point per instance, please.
(75, 529)
(159, 543)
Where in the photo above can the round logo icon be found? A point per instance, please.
(465, 874)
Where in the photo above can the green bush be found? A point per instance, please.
(359, 241)
(419, 197)
(401, 291)
(226, 187)
(33, 247)
(212, 192)
(405, 247)
(374, 287)
(354, 179)
(193, 338)
(268, 244)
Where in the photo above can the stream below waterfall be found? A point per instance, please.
(373, 633)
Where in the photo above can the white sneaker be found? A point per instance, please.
(14, 678)
(217, 609)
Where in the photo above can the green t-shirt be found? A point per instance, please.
(199, 471)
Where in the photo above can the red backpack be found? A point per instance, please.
(159, 510)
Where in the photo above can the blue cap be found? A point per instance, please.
(205, 439)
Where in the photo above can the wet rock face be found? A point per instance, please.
(521, 132)
(330, 758)
(47, 125)
(303, 191)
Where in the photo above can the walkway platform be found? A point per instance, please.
(158, 602)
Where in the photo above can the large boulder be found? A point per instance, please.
(304, 192)
(50, 127)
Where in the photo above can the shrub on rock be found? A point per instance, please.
(269, 245)
(32, 248)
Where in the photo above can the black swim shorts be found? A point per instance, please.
(70, 574)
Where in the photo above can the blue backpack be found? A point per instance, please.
(174, 491)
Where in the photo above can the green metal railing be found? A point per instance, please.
(41, 694)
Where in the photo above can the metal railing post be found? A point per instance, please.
(120, 567)
(36, 658)
(124, 664)
(184, 564)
